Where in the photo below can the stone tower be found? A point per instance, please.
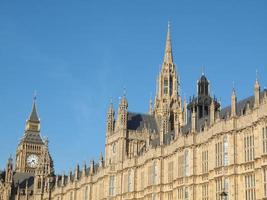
(29, 148)
(168, 103)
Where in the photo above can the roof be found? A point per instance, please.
(34, 116)
(32, 137)
(21, 178)
(138, 121)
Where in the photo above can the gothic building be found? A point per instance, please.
(179, 150)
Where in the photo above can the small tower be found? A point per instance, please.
(101, 160)
(110, 119)
(122, 113)
(9, 170)
(77, 172)
(233, 103)
(92, 167)
(257, 92)
(212, 112)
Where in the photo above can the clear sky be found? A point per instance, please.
(79, 54)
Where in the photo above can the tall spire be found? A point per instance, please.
(168, 48)
(33, 122)
(34, 116)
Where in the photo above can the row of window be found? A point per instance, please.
(221, 188)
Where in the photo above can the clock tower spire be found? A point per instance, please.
(31, 144)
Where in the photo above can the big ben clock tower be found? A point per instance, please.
(30, 146)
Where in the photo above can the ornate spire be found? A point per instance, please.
(168, 58)
(34, 116)
(33, 122)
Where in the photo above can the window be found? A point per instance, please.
(226, 188)
(169, 196)
(170, 172)
(265, 181)
(129, 181)
(219, 188)
(154, 196)
(249, 147)
(205, 191)
(186, 162)
(165, 86)
(180, 193)
(218, 154)
(71, 195)
(225, 151)
(186, 195)
(171, 85)
(181, 166)
(86, 193)
(264, 140)
(250, 187)
(112, 185)
(205, 161)
(142, 181)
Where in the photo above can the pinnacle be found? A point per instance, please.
(168, 58)
(34, 116)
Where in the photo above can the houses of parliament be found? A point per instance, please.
(194, 150)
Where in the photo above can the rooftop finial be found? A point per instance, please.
(34, 116)
(168, 48)
(233, 88)
(257, 78)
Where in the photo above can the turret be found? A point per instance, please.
(101, 160)
(212, 112)
(77, 171)
(122, 113)
(84, 169)
(193, 121)
(257, 93)
(92, 167)
(9, 170)
(110, 119)
(233, 103)
(185, 112)
(164, 128)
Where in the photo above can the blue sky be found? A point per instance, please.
(79, 54)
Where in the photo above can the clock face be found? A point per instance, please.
(32, 160)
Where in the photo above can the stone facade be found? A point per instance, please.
(177, 151)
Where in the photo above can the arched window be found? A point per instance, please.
(130, 181)
(71, 195)
(86, 193)
(165, 86)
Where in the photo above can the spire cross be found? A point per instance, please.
(257, 75)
